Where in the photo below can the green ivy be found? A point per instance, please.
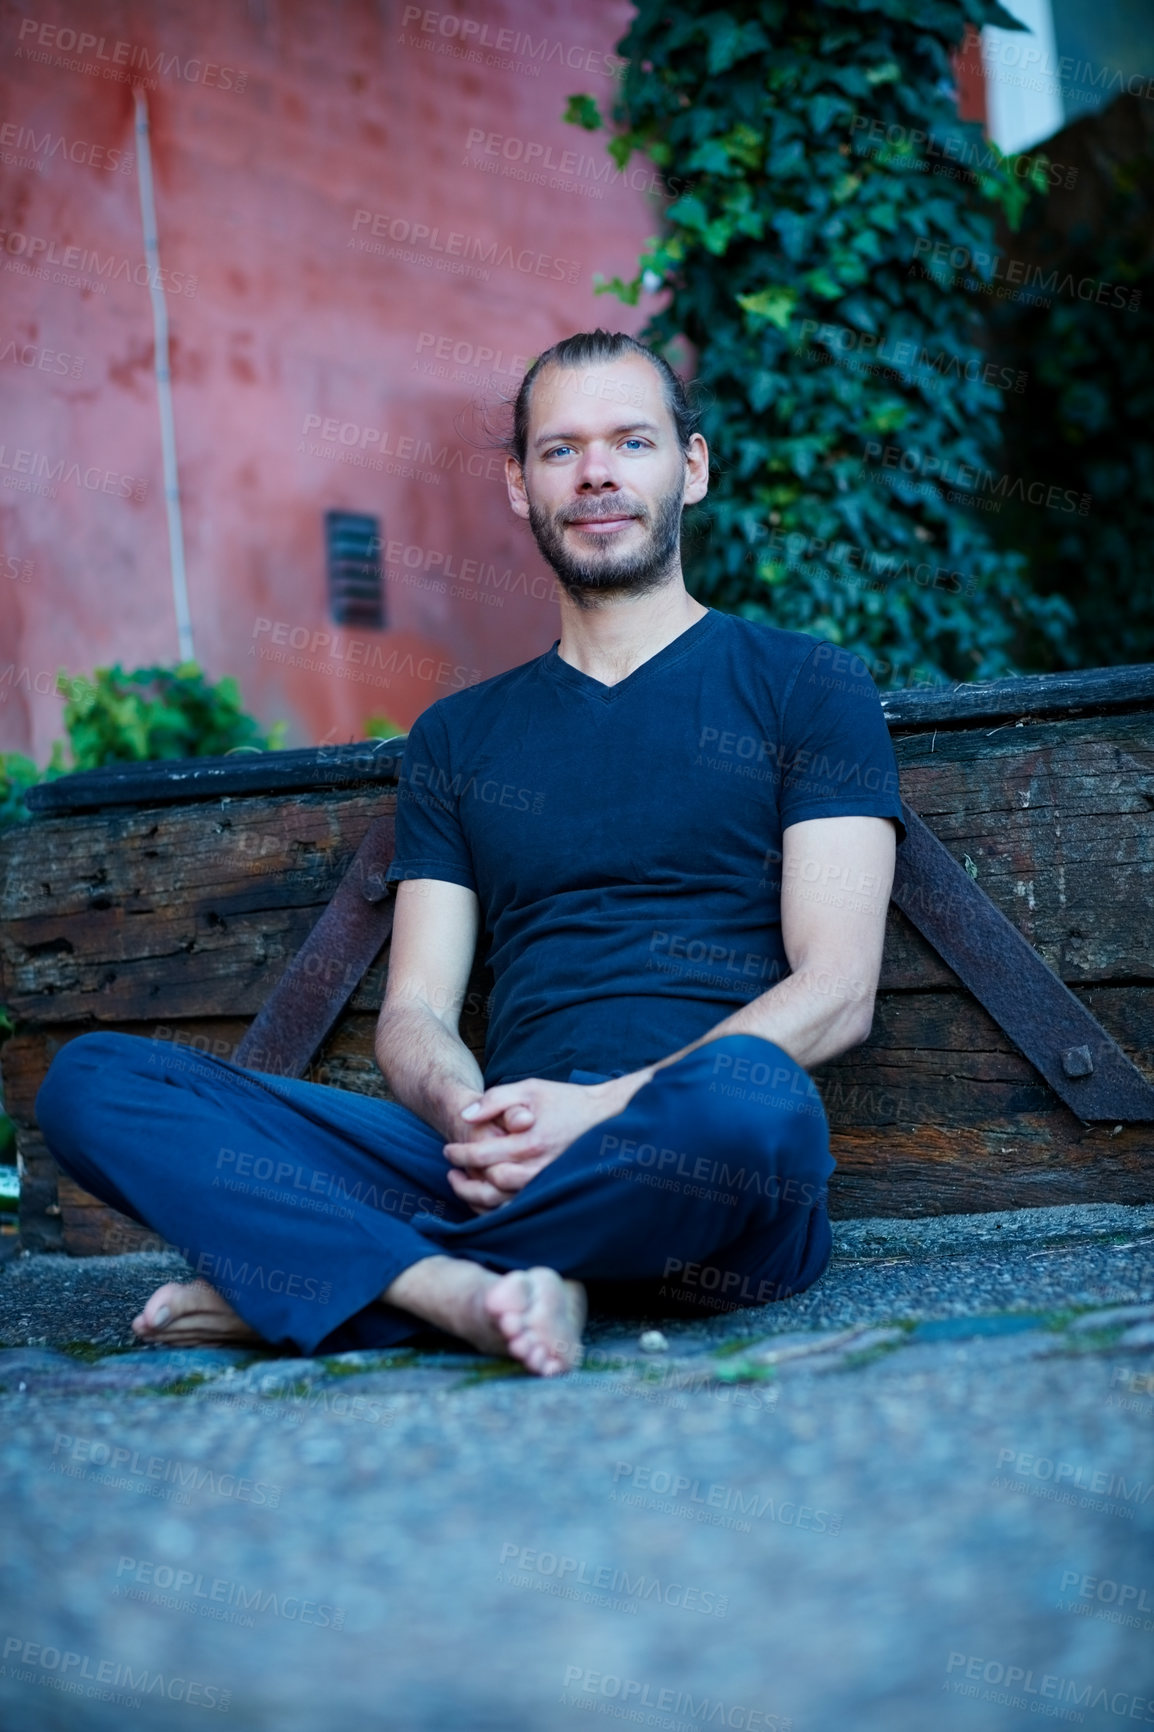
(818, 161)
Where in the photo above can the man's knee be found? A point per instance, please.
(769, 1110)
(79, 1072)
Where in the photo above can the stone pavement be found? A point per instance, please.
(919, 1496)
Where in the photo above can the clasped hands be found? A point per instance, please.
(510, 1132)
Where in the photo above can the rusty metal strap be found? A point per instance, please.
(1055, 1031)
(329, 966)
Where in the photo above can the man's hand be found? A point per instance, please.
(516, 1129)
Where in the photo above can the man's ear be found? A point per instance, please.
(515, 482)
(696, 470)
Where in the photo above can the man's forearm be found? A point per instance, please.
(812, 1015)
(428, 1067)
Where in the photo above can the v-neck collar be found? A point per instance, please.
(673, 651)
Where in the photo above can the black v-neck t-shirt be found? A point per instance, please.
(624, 841)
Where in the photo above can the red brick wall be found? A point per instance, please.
(285, 137)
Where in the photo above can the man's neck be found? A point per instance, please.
(612, 640)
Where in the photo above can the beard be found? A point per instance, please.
(603, 570)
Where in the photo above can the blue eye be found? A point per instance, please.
(557, 448)
(640, 442)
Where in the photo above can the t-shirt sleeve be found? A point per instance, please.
(430, 840)
(837, 757)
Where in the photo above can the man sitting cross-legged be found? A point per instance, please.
(676, 830)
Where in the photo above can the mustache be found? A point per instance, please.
(596, 511)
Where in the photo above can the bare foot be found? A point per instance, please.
(541, 1318)
(530, 1314)
(191, 1314)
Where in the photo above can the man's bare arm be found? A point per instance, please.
(836, 879)
(427, 1064)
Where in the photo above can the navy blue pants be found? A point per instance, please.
(301, 1203)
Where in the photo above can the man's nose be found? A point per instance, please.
(595, 474)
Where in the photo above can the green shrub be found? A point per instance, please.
(18, 773)
(117, 717)
(158, 712)
(381, 727)
(793, 260)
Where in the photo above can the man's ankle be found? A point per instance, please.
(435, 1288)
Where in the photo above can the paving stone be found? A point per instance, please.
(1112, 1315)
(20, 1366)
(801, 1344)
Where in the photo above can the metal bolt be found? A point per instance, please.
(1077, 1061)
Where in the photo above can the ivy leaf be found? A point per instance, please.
(712, 157)
(822, 110)
(583, 111)
(820, 282)
(773, 305)
(689, 212)
(730, 42)
(630, 293)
